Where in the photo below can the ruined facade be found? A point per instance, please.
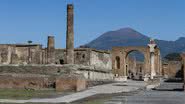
(172, 69)
(152, 62)
(21, 54)
(32, 66)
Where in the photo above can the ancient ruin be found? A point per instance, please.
(32, 66)
(152, 65)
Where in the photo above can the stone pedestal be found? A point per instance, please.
(121, 79)
(70, 82)
(146, 79)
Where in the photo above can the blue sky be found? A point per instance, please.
(22, 20)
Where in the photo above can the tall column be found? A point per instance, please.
(152, 46)
(51, 50)
(152, 57)
(70, 36)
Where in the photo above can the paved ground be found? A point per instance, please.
(170, 86)
(166, 95)
(102, 89)
(150, 97)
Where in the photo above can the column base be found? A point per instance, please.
(146, 79)
(121, 79)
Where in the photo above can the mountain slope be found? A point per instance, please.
(130, 37)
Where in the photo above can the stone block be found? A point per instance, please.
(81, 84)
(70, 82)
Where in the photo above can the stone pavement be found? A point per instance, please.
(166, 93)
(101, 89)
(170, 86)
(150, 97)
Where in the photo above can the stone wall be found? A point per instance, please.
(85, 56)
(47, 76)
(20, 54)
(32, 69)
(101, 60)
(60, 56)
(96, 76)
(82, 56)
(25, 81)
(172, 69)
(70, 82)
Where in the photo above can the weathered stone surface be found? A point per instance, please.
(121, 53)
(100, 60)
(32, 69)
(172, 69)
(20, 54)
(24, 81)
(51, 50)
(70, 82)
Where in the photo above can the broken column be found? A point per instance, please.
(152, 46)
(70, 36)
(51, 50)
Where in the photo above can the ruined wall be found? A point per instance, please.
(24, 81)
(131, 66)
(5, 53)
(20, 54)
(60, 56)
(70, 82)
(81, 56)
(139, 70)
(172, 69)
(96, 75)
(86, 56)
(33, 69)
(157, 62)
(101, 60)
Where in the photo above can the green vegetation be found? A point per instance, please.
(173, 57)
(28, 94)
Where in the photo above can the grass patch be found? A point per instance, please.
(28, 94)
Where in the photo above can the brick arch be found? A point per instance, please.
(132, 69)
(133, 51)
(123, 52)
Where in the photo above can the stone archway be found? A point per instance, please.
(123, 52)
(135, 64)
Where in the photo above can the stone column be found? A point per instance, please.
(51, 50)
(152, 57)
(70, 36)
(123, 75)
(152, 46)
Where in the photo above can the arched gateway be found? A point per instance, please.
(152, 60)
